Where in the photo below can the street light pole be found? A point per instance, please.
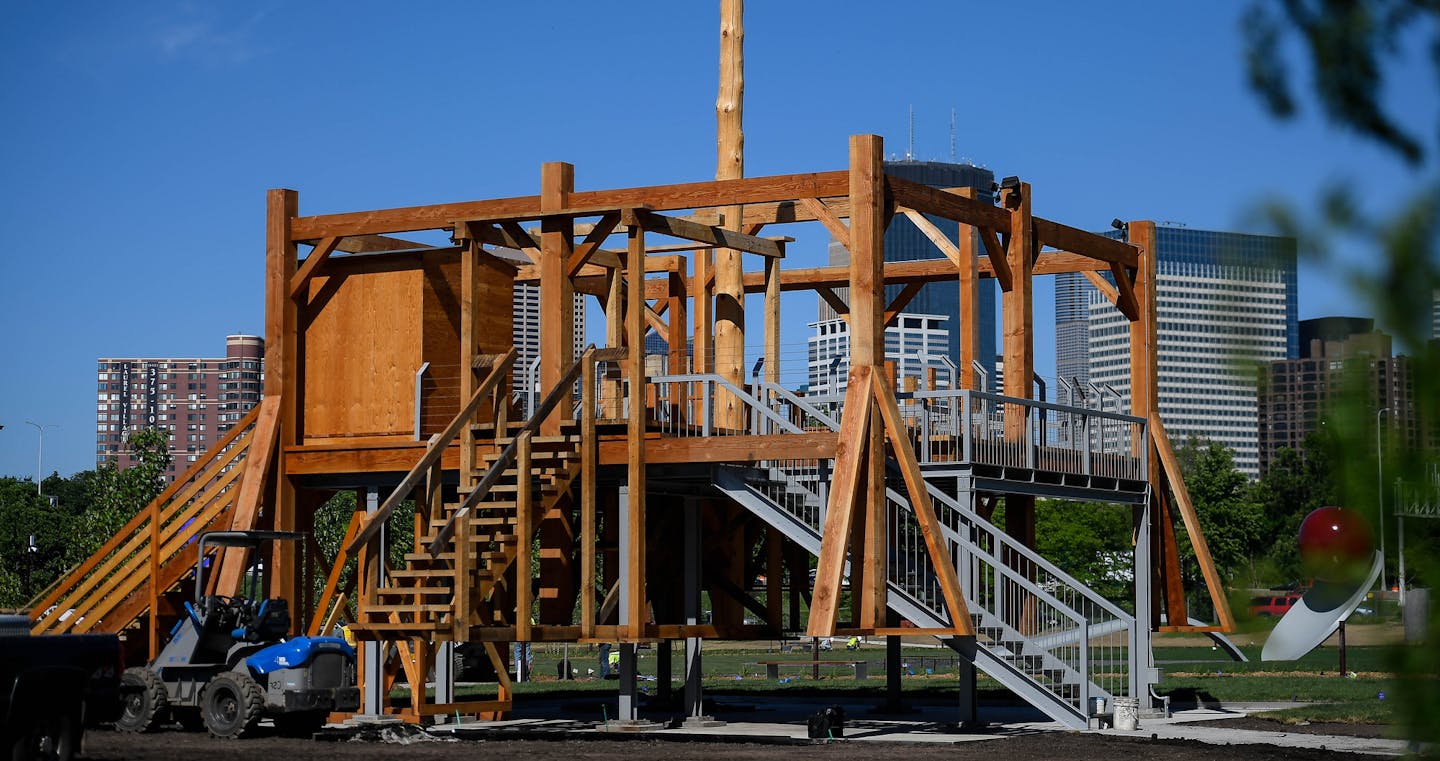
(40, 454)
(1380, 503)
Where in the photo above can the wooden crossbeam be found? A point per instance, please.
(901, 300)
(822, 212)
(1191, 519)
(1073, 239)
(677, 227)
(999, 266)
(850, 453)
(311, 265)
(591, 244)
(940, 559)
(833, 299)
(1125, 291)
(1103, 286)
(946, 246)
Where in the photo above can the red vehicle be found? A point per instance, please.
(1272, 606)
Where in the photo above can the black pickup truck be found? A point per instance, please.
(52, 687)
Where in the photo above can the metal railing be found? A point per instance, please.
(990, 429)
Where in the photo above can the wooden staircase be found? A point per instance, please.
(438, 596)
(140, 578)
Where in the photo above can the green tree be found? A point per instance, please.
(1229, 518)
(24, 514)
(1350, 48)
(116, 495)
(1090, 541)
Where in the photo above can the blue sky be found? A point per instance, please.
(139, 139)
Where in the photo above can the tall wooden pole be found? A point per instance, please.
(557, 292)
(1019, 348)
(867, 349)
(730, 165)
(968, 315)
(282, 379)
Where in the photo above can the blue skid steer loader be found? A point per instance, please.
(228, 663)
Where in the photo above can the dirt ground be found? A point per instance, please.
(104, 745)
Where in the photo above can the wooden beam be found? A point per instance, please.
(557, 293)
(921, 222)
(928, 200)
(589, 466)
(930, 527)
(591, 244)
(772, 320)
(1078, 241)
(524, 535)
(1192, 522)
(827, 217)
(633, 567)
(693, 449)
(282, 376)
(995, 253)
(901, 300)
(1101, 284)
(1019, 347)
(718, 237)
(867, 349)
(850, 450)
(1125, 290)
(259, 455)
(834, 300)
(968, 317)
(322, 251)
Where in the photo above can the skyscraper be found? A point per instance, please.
(905, 242)
(1225, 302)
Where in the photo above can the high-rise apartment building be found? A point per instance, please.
(1225, 302)
(905, 242)
(196, 400)
(1296, 395)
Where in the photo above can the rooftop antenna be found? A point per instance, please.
(952, 135)
(910, 148)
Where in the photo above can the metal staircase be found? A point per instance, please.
(1039, 632)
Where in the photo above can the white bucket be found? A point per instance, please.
(1127, 713)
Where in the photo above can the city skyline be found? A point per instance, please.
(157, 121)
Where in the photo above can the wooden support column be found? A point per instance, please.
(634, 570)
(867, 349)
(772, 319)
(704, 311)
(614, 339)
(969, 311)
(1019, 346)
(589, 462)
(730, 165)
(282, 378)
(557, 291)
(679, 336)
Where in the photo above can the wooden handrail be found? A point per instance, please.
(433, 450)
(52, 594)
(507, 456)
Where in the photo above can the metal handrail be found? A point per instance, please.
(507, 455)
(433, 450)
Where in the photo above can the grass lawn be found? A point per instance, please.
(1190, 673)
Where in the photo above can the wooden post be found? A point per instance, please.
(704, 356)
(614, 338)
(524, 536)
(772, 319)
(679, 335)
(282, 377)
(730, 165)
(588, 465)
(634, 572)
(154, 582)
(867, 349)
(1019, 347)
(557, 292)
(968, 315)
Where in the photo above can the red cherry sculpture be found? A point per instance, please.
(1336, 544)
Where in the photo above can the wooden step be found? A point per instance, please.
(408, 608)
(412, 592)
